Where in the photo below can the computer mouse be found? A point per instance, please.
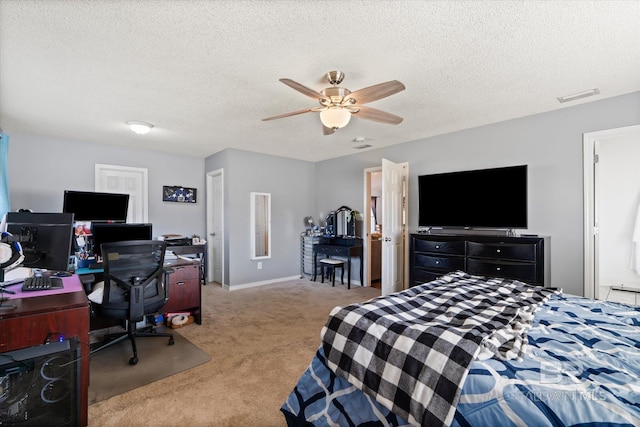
(62, 274)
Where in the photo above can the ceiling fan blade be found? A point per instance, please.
(327, 131)
(375, 115)
(303, 89)
(293, 113)
(375, 92)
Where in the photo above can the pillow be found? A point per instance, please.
(97, 293)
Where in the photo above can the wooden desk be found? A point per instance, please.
(185, 290)
(37, 318)
(344, 247)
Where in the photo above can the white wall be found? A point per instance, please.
(618, 203)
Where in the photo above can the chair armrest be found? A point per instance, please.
(87, 281)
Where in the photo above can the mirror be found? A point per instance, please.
(342, 222)
(260, 225)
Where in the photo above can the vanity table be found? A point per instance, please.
(339, 246)
(338, 240)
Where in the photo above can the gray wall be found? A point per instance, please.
(291, 184)
(550, 143)
(41, 168)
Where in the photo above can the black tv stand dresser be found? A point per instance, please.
(523, 258)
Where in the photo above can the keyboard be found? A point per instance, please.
(41, 283)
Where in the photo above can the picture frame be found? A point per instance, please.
(179, 194)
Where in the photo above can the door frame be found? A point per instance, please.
(366, 215)
(590, 142)
(209, 214)
(366, 258)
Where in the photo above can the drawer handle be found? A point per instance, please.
(437, 262)
(497, 250)
(180, 268)
(180, 283)
(498, 268)
(437, 246)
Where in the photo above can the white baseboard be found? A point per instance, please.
(261, 283)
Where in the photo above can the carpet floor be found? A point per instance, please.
(260, 341)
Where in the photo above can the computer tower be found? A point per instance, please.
(41, 385)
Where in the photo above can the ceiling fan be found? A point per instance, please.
(338, 104)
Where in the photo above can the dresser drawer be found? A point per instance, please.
(439, 247)
(525, 272)
(423, 276)
(443, 263)
(510, 251)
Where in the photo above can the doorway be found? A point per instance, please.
(215, 226)
(385, 226)
(612, 203)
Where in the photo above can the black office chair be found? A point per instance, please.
(135, 285)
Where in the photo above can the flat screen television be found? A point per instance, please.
(95, 206)
(45, 238)
(493, 198)
(115, 232)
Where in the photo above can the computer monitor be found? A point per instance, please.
(95, 206)
(107, 233)
(45, 238)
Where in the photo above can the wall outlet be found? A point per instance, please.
(259, 266)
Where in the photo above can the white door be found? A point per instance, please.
(126, 180)
(215, 224)
(393, 219)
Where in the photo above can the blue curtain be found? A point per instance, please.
(4, 174)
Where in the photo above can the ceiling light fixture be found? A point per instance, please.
(579, 95)
(140, 128)
(335, 117)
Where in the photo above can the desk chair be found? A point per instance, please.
(135, 285)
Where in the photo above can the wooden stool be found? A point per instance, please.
(331, 264)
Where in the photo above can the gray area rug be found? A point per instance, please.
(111, 374)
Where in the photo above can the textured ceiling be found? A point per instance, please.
(206, 72)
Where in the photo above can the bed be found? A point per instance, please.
(513, 354)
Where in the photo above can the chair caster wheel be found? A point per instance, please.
(171, 341)
(133, 361)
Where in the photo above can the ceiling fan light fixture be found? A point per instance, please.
(335, 117)
(140, 128)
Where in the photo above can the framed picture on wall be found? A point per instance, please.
(176, 193)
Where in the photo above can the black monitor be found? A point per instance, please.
(107, 233)
(45, 238)
(94, 206)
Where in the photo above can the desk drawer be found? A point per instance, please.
(333, 250)
(525, 272)
(184, 272)
(511, 251)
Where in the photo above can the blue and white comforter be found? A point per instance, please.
(582, 367)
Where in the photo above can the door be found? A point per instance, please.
(393, 221)
(126, 180)
(215, 227)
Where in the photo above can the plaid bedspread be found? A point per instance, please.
(411, 350)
